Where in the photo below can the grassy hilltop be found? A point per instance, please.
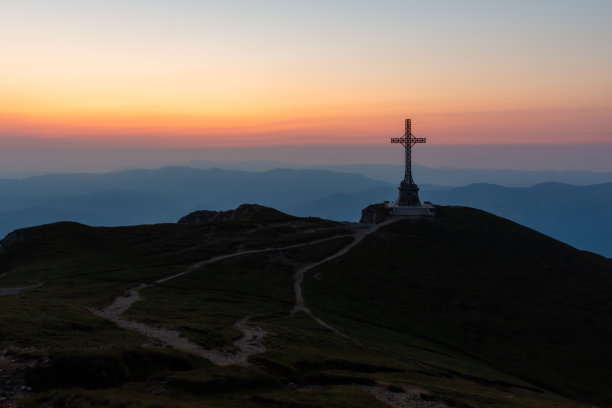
(465, 310)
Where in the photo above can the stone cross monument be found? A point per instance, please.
(408, 191)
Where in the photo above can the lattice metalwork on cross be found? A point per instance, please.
(408, 140)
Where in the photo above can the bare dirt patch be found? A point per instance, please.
(411, 397)
(17, 291)
(13, 363)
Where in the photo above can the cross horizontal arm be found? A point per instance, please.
(405, 139)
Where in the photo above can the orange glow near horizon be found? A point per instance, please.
(134, 129)
(209, 74)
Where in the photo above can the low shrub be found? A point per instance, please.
(103, 368)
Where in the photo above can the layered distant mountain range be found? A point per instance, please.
(580, 215)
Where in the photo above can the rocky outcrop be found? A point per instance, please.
(374, 214)
(13, 238)
(199, 217)
(246, 212)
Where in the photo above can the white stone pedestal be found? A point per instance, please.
(427, 209)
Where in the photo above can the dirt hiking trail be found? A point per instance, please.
(253, 338)
(360, 232)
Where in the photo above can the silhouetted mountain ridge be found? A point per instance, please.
(468, 306)
(578, 215)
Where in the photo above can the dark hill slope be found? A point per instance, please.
(578, 215)
(495, 290)
(485, 305)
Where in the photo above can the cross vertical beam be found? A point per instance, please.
(408, 140)
(408, 164)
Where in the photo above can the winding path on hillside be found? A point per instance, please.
(361, 231)
(252, 341)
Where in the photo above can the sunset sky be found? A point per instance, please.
(182, 73)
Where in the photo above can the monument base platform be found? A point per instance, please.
(427, 209)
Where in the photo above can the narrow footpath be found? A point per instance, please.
(359, 234)
(253, 339)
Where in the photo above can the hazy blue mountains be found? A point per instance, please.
(162, 195)
(578, 215)
(443, 176)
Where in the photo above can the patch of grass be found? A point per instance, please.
(222, 380)
(484, 287)
(31, 320)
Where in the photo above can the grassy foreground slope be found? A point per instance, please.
(487, 287)
(465, 326)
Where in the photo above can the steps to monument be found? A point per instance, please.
(427, 209)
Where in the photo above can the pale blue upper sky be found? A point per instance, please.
(326, 71)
